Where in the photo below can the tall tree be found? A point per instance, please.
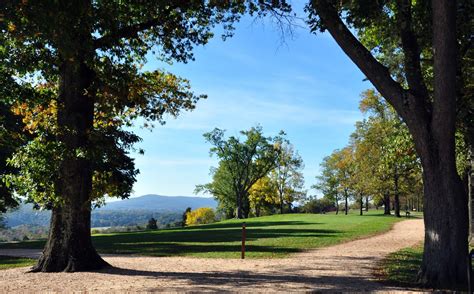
(328, 182)
(221, 188)
(425, 31)
(287, 176)
(90, 54)
(244, 162)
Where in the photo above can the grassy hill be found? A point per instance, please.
(267, 237)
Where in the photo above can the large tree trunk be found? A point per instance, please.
(470, 181)
(361, 200)
(346, 204)
(366, 203)
(396, 194)
(257, 210)
(446, 227)
(337, 206)
(240, 213)
(386, 203)
(281, 201)
(69, 246)
(445, 210)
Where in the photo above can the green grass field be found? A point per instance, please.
(267, 237)
(10, 262)
(401, 267)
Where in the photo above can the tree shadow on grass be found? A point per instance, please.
(176, 249)
(190, 242)
(221, 235)
(252, 224)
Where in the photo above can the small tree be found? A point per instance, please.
(152, 224)
(203, 215)
(287, 176)
(185, 216)
(263, 194)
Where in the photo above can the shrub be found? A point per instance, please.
(152, 224)
(314, 205)
(204, 215)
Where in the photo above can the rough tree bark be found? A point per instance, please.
(432, 125)
(346, 203)
(470, 180)
(386, 203)
(446, 246)
(396, 193)
(240, 213)
(69, 247)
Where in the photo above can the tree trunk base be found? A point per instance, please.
(87, 261)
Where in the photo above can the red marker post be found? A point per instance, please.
(243, 241)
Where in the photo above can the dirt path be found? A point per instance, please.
(345, 267)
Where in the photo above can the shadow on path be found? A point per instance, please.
(245, 280)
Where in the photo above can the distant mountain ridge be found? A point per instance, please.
(132, 211)
(160, 203)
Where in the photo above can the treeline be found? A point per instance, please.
(379, 165)
(256, 175)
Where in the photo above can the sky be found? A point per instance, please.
(303, 84)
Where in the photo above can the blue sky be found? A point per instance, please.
(305, 86)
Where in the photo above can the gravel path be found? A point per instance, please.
(345, 267)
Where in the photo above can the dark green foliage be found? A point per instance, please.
(315, 205)
(185, 216)
(151, 224)
(241, 164)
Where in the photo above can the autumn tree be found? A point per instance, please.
(263, 195)
(430, 39)
(287, 176)
(328, 181)
(89, 55)
(200, 216)
(384, 150)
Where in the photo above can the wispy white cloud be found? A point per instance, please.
(236, 107)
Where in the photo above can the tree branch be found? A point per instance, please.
(414, 111)
(125, 32)
(411, 50)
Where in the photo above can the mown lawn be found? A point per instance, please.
(267, 237)
(401, 268)
(10, 262)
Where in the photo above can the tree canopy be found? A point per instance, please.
(83, 63)
(242, 163)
